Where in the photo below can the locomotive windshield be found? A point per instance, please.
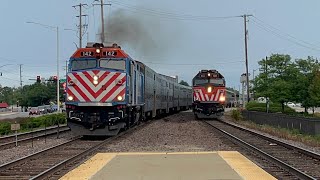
(113, 64)
(83, 64)
(217, 82)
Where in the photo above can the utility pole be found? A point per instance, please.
(253, 78)
(20, 67)
(266, 72)
(246, 52)
(20, 76)
(66, 68)
(80, 22)
(102, 19)
(235, 96)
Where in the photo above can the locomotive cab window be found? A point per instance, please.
(83, 64)
(113, 64)
(217, 82)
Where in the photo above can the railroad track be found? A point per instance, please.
(10, 141)
(52, 163)
(301, 163)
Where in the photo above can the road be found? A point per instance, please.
(12, 115)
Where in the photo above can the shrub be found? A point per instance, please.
(236, 114)
(33, 122)
(5, 128)
(273, 107)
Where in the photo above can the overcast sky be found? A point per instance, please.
(181, 38)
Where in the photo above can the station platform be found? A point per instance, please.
(168, 166)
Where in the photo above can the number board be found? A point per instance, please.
(214, 75)
(87, 53)
(15, 127)
(110, 53)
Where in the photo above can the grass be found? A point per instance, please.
(289, 134)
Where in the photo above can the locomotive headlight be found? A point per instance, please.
(209, 89)
(222, 98)
(95, 78)
(97, 50)
(120, 98)
(70, 98)
(95, 82)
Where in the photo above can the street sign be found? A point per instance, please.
(62, 80)
(15, 127)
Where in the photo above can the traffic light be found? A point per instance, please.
(55, 79)
(38, 79)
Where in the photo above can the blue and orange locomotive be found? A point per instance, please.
(108, 91)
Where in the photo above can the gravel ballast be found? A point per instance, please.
(176, 133)
(15, 153)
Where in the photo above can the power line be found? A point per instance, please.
(9, 72)
(10, 79)
(184, 64)
(272, 27)
(281, 36)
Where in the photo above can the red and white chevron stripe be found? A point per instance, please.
(81, 86)
(201, 94)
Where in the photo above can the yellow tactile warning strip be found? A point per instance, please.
(243, 166)
(90, 167)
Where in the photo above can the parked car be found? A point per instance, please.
(54, 108)
(291, 104)
(34, 111)
(298, 104)
(42, 109)
(48, 109)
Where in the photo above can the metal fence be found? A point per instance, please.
(305, 125)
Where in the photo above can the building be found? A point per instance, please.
(4, 106)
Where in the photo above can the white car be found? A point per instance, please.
(298, 105)
(291, 104)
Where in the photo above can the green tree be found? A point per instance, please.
(314, 89)
(284, 80)
(8, 95)
(182, 82)
(276, 78)
(307, 68)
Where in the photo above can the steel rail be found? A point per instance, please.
(273, 159)
(49, 172)
(60, 165)
(13, 143)
(31, 132)
(25, 158)
(289, 146)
